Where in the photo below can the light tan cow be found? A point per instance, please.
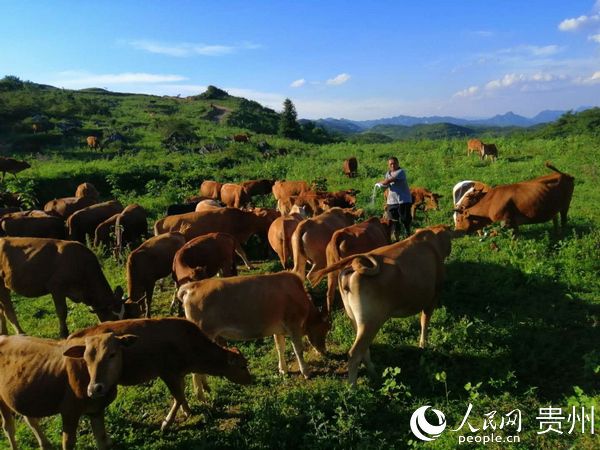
(93, 142)
(283, 189)
(311, 237)
(255, 306)
(42, 377)
(359, 238)
(205, 205)
(234, 195)
(474, 146)
(397, 280)
(211, 189)
(280, 235)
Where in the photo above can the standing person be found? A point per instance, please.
(399, 199)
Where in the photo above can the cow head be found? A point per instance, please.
(317, 328)
(431, 201)
(236, 369)
(104, 360)
(467, 222)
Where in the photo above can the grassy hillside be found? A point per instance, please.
(517, 327)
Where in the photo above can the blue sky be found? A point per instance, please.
(344, 59)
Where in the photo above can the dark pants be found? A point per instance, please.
(399, 213)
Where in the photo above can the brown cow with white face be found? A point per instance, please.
(359, 238)
(42, 377)
(255, 306)
(398, 280)
(169, 349)
(532, 201)
(32, 267)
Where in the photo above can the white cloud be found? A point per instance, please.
(578, 23)
(593, 79)
(340, 79)
(546, 50)
(298, 83)
(186, 49)
(76, 79)
(469, 92)
(595, 38)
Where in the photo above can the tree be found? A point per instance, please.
(288, 126)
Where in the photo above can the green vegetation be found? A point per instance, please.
(518, 321)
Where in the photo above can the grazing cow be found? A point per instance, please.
(93, 142)
(397, 280)
(313, 202)
(258, 187)
(243, 137)
(350, 167)
(240, 224)
(204, 257)
(34, 226)
(32, 267)
(466, 193)
(234, 195)
(489, 150)
(474, 145)
(42, 377)
(131, 226)
(280, 235)
(148, 263)
(103, 230)
(211, 189)
(311, 237)
(64, 207)
(12, 165)
(205, 205)
(169, 349)
(423, 199)
(87, 190)
(341, 199)
(360, 238)
(84, 222)
(532, 201)
(255, 306)
(284, 189)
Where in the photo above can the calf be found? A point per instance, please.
(148, 263)
(350, 167)
(169, 349)
(256, 306)
(490, 151)
(423, 199)
(474, 145)
(41, 377)
(359, 238)
(32, 267)
(397, 280)
(532, 201)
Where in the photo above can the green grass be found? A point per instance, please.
(520, 316)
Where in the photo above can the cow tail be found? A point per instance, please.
(298, 249)
(119, 234)
(366, 265)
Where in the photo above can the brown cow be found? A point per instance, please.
(256, 306)
(341, 199)
(423, 199)
(204, 257)
(169, 349)
(205, 205)
(131, 226)
(350, 167)
(64, 207)
(474, 146)
(102, 233)
(87, 190)
(83, 223)
(466, 193)
(489, 150)
(93, 142)
(42, 377)
(211, 189)
(242, 137)
(311, 237)
(34, 226)
(32, 267)
(234, 195)
(284, 189)
(532, 201)
(360, 238)
(313, 202)
(280, 235)
(397, 280)
(148, 263)
(12, 165)
(258, 187)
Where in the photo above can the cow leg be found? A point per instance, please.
(200, 385)
(103, 440)
(331, 278)
(555, 223)
(148, 299)
(60, 304)
(242, 254)
(296, 338)
(425, 318)
(280, 347)
(176, 386)
(8, 310)
(359, 350)
(34, 424)
(8, 424)
(69, 430)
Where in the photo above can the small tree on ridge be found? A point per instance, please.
(288, 126)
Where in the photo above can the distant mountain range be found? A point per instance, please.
(510, 119)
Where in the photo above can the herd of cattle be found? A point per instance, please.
(44, 252)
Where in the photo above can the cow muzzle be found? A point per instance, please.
(96, 390)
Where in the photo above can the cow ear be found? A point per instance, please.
(76, 351)
(127, 340)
